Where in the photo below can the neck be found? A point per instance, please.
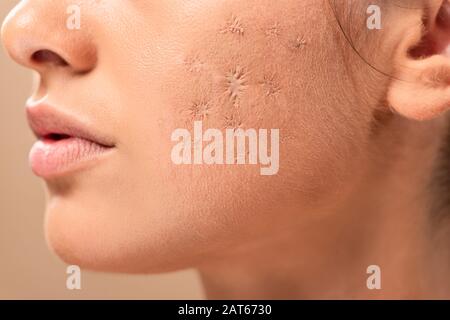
(386, 222)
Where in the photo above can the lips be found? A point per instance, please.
(65, 143)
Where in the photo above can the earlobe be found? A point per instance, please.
(420, 89)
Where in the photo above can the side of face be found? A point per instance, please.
(160, 66)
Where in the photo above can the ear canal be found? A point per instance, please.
(436, 34)
(443, 19)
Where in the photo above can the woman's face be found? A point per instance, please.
(138, 70)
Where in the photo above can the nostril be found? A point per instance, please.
(48, 57)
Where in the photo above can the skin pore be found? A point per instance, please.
(358, 147)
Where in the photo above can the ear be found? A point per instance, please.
(421, 86)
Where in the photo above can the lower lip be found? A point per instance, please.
(51, 158)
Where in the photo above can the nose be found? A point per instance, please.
(38, 35)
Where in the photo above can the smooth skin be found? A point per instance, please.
(358, 146)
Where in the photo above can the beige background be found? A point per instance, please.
(27, 269)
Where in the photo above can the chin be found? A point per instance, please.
(94, 241)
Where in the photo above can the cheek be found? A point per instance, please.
(260, 68)
(240, 72)
(263, 69)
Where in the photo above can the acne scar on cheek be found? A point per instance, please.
(270, 85)
(200, 110)
(273, 31)
(232, 83)
(194, 64)
(236, 82)
(234, 26)
(233, 120)
(298, 43)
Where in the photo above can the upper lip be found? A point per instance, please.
(48, 122)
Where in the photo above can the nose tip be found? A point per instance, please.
(35, 36)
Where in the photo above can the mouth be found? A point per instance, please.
(64, 143)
